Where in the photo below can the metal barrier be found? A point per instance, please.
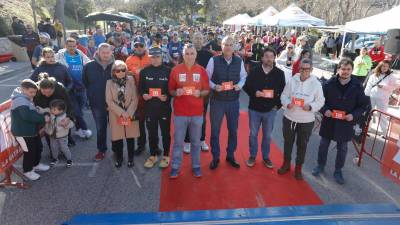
(377, 145)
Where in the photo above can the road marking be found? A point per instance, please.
(135, 178)
(2, 201)
(93, 171)
(380, 189)
(64, 165)
(9, 85)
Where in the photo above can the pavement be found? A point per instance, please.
(90, 187)
(7, 68)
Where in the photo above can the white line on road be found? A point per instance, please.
(93, 171)
(64, 165)
(260, 200)
(136, 179)
(9, 85)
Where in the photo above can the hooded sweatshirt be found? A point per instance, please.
(310, 91)
(25, 119)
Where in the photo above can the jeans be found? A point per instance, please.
(219, 109)
(299, 131)
(203, 127)
(256, 119)
(100, 117)
(181, 123)
(78, 101)
(340, 155)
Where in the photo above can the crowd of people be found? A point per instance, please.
(137, 82)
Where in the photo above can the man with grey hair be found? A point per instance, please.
(227, 77)
(95, 75)
(302, 97)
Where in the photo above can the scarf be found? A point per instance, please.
(121, 83)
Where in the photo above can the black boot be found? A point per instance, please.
(285, 167)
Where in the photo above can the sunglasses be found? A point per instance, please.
(120, 70)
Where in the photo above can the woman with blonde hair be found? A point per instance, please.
(122, 99)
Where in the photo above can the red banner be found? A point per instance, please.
(10, 151)
(391, 156)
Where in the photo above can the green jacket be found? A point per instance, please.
(362, 65)
(25, 120)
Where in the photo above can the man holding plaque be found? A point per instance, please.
(345, 102)
(301, 99)
(264, 85)
(153, 87)
(227, 77)
(188, 84)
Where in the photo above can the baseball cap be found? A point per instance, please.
(44, 35)
(155, 51)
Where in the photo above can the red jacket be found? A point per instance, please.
(377, 55)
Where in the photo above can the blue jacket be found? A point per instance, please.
(94, 78)
(350, 99)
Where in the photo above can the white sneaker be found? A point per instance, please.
(41, 167)
(186, 148)
(204, 146)
(80, 133)
(87, 133)
(32, 175)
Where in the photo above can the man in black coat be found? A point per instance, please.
(345, 102)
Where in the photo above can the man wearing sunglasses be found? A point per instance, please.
(345, 102)
(135, 63)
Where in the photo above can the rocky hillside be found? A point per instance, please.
(20, 8)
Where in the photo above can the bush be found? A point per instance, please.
(4, 27)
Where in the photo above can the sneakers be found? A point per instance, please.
(268, 163)
(32, 175)
(317, 171)
(174, 174)
(204, 146)
(186, 148)
(41, 168)
(164, 162)
(130, 164)
(150, 162)
(99, 156)
(53, 162)
(87, 133)
(197, 172)
(69, 163)
(338, 177)
(251, 162)
(83, 133)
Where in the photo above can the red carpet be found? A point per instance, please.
(229, 188)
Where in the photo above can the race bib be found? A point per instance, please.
(124, 122)
(338, 114)
(182, 77)
(155, 92)
(268, 93)
(298, 101)
(196, 77)
(227, 86)
(188, 90)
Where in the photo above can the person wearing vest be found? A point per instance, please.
(227, 77)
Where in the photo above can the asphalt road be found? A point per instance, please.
(90, 187)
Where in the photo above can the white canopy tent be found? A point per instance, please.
(293, 16)
(240, 19)
(378, 24)
(262, 18)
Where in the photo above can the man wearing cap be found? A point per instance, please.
(44, 39)
(227, 77)
(188, 84)
(29, 40)
(157, 106)
(175, 48)
(135, 63)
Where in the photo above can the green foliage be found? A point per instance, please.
(4, 28)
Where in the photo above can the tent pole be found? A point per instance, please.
(343, 43)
